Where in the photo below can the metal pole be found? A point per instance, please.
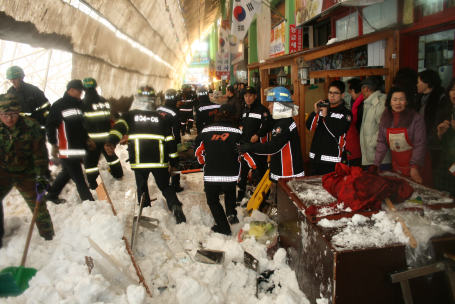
(47, 70)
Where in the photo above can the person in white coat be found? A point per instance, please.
(374, 106)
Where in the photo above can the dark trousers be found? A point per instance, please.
(161, 176)
(25, 183)
(261, 164)
(175, 180)
(91, 164)
(212, 193)
(71, 168)
(355, 162)
(321, 168)
(186, 116)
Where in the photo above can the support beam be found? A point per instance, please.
(348, 73)
(289, 15)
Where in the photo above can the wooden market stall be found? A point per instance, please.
(306, 94)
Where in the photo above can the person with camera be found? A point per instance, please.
(330, 122)
(443, 136)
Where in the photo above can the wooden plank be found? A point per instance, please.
(348, 73)
(276, 64)
(346, 45)
(264, 74)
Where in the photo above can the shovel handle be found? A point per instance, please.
(187, 171)
(412, 241)
(30, 231)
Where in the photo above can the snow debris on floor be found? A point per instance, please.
(63, 275)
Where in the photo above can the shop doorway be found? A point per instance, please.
(436, 53)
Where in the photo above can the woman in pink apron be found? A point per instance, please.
(402, 130)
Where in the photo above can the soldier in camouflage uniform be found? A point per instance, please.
(22, 161)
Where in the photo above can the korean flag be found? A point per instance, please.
(242, 14)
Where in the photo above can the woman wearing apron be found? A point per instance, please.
(403, 130)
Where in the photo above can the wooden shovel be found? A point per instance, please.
(412, 241)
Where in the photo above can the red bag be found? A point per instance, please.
(360, 190)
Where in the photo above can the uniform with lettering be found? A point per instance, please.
(329, 137)
(205, 111)
(151, 148)
(215, 149)
(97, 115)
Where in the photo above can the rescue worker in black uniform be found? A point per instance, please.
(32, 100)
(170, 111)
(255, 124)
(186, 109)
(97, 115)
(284, 147)
(216, 151)
(330, 125)
(151, 148)
(206, 110)
(69, 139)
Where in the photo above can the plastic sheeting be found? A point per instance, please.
(264, 22)
(146, 21)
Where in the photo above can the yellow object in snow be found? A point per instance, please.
(257, 231)
(258, 195)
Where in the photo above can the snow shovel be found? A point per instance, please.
(259, 194)
(209, 256)
(14, 280)
(141, 220)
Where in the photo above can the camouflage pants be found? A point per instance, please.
(26, 186)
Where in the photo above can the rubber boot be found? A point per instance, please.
(178, 213)
(233, 219)
(217, 229)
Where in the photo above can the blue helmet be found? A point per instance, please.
(279, 94)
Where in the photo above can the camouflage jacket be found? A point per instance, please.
(22, 149)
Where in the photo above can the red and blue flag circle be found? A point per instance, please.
(239, 13)
(222, 42)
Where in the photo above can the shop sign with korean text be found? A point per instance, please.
(295, 39)
(277, 44)
(222, 65)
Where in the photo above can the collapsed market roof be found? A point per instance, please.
(120, 42)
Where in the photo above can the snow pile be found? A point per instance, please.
(363, 232)
(64, 277)
(311, 192)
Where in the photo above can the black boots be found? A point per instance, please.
(178, 213)
(233, 219)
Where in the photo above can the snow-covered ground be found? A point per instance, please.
(63, 275)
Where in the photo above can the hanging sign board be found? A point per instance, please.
(222, 65)
(295, 39)
(277, 40)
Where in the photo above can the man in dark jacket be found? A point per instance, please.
(97, 115)
(186, 109)
(32, 100)
(216, 151)
(234, 101)
(69, 139)
(170, 111)
(22, 161)
(256, 124)
(205, 111)
(151, 148)
(330, 123)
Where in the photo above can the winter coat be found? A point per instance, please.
(432, 102)
(22, 150)
(256, 120)
(215, 149)
(205, 112)
(373, 107)
(235, 101)
(97, 115)
(353, 135)
(329, 134)
(415, 125)
(284, 147)
(170, 112)
(150, 141)
(65, 127)
(33, 102)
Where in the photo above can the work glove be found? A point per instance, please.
(55, 151)
(245, 148)
(91, 144)
(42, 183)
(256, 176)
